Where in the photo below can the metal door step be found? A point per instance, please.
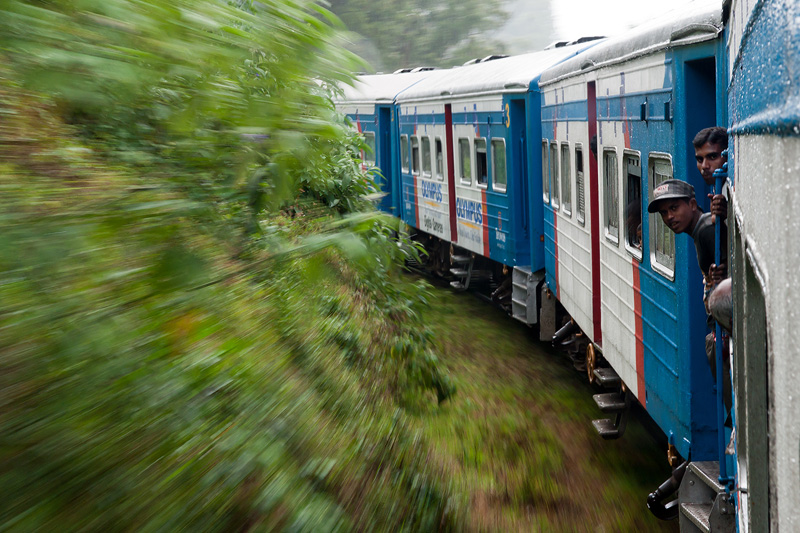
(607, 377)
(698, 514)
(610, 402)
(708, 473)
(459, 259)
(606, 428)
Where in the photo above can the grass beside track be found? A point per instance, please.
(516, 441)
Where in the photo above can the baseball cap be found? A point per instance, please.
(669, 189)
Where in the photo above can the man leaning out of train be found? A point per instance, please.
(675, 201)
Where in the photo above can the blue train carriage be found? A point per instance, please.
(369, 103)
(466, 161)
(616, 121)
(764, 124)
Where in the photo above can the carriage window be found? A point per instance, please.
(415, 155)
(404, 152)
(481, 163)
(611, 195)
(545, 177)
(426, 157)
(579, 186)
(466, 162)
(368, 155)
(633, 204)
(499, 178)
(566, 180)
(554, 174)
(439, 160)
(662, 240)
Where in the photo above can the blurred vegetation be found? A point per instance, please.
(202, 323)
(517, 440)
(414, 33)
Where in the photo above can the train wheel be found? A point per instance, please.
(591, 362)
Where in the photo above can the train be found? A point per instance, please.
(530, 177)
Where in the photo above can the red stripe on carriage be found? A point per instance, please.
(555, 248)
(637, 311)
(416, 203)
(485, 224)
(451, 174)
(594, 203)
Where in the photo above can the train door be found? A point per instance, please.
(594, 203)
(701, 112)
(518, 182)
(389, 184)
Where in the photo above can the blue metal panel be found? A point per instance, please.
(763, 95)
(536, 208)
(518, 179)
(501, 243)
(680, 395)
(408, 194)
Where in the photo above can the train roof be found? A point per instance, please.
(507, 75)
(381, 88)
(696, 22)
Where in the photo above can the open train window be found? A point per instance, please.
(465, 168)
(566, 180)
(633, 203)
(415, 155)
(579, 185)
(404, 152)
(499, 177)
(426, 157)
(611, 194)
(481, 163)
(662, 240)
(554, 174)
(439, 159)
(368, 156)
(545, 175)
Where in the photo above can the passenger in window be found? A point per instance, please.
(674, 200)
(633, 223)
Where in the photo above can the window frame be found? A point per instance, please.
(607, 198)
(497, 187)
(425, 140)
(415, 155)
(477, 153)
(464, 180)
(369, 156)
(566, 180)
(666, 271)
(438, 148)
(405, 161)
(580, 192)
(555, 168)
(545, 170)
(633, 250)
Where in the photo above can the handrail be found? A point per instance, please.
(720, 175)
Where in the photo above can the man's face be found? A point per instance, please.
(677, 213)
(709, 158)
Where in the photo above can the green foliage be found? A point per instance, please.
(416, 33)
(180, 202)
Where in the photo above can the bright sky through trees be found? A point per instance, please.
(577, 18)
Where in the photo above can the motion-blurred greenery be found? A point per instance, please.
(202, 324)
